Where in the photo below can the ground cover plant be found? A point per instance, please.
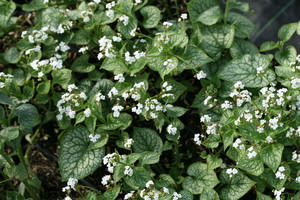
(144, 99)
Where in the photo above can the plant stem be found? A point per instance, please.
(29, 146)
(226, 11)
(7, 158)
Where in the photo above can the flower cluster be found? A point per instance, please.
(69, 102)
(4, 79)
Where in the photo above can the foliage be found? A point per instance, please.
(121, 86)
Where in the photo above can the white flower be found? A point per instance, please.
(169, 63)
(201, 75)
(259, 70)
(71, 87)
(99, 96)
(83, 49)
(166, 190)
(251, 153)
(149, 183)
(137, 2)
(239, 85)
(132, 32)
(176, 196)
(184, 16)
(40, 74)
(72, 182)
(117, 39)
(119, 77)
(128, 195)
(117, 109)
(226, 105)
(97, 1)
(237, 142)
(231, 171)
(277, 193)
(124, 19)
(197, 139)
(212, 129)
(62, 47)
(94, 138)
(281, 169)
(110, 5)
(172, 129)
(205, 102)
(128, 143)
(297, 180)
(128, 171)
(280, 175)
(167, 24)
(67, 198)
(295, 83)
(273, 123)
(105, 180)
(112, 92)
(269, 139)
(205, 119)
(128, 58)
(87, 112)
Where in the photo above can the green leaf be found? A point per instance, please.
(186, 195)
(216, 38)
(34, 5)
(113, 123)
(44, 87)
(111, 194)
(176, 111)
(126, 30)
(207, 12)
(195, 57)
(28, 115)
(82, 65)
(241, 47)
(284, 71)
(149, 158)
(242, 6)
(213, 162)
(165, 180)
(119, 172)
(156, 63)
(4, 99)
(253, 166)
(146, 139)
(151, 16)
(286, 31)
(115, 65)
(245, 69)
(9, 133)
(61, 77)
(7, 8)
(177, 90)
(269, 177)
(81, 37)
(261, 196)
(209, 194)
(286, 56)
(75, 158)
(138, 179)
(12, 55)
(269, 45)
(200, 177)
(235, 187)
(243, 26)
(210, 16)
(271, 155)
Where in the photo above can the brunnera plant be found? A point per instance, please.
(152, 104)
